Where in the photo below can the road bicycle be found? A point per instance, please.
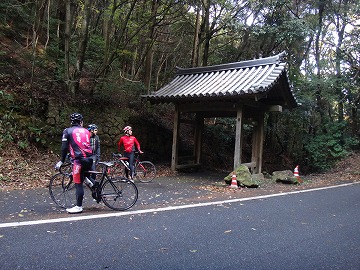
(144, 171)
(117, 193)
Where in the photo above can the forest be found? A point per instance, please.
(99, 56)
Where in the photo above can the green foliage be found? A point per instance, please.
(220, 132)
(122, 96)
(5, 98)
(96, 44)
(37, 135)
(7, 133)
(14, 14)
(22, 145)
(20, 131)
(7, 129)
(218, 143)
(325, 149)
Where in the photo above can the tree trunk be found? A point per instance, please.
(340, 29)
(206, 33)
(83, 41)
(318, 94)
(107, 30)
(67, 38)
(150, 50)
(111, 51)
(339, 77)
(195, 50)
(36, 31)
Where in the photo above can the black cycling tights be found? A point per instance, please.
(79, 194)
(130, 156)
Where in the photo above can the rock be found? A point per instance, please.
(243, 177)
(286, 177)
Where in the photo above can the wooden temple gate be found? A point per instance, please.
(243, 90)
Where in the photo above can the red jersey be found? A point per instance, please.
(76, 140)
(129, 143)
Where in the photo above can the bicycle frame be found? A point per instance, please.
(66, 170)
(143, 170)
(104, 173)
(119, 157)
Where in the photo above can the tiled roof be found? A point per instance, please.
(234, 81)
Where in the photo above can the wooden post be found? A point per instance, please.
(175, 147)
(260, 143)
(238, 146)
(199, 126)
(255, 147)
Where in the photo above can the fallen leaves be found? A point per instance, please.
(29, 171)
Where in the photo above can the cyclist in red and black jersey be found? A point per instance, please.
(76, 140)
(130, 144)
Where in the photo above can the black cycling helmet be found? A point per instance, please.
(76, 118)
(92, 127)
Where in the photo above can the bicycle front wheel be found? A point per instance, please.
(145, 171)
(119, 193)
(62, 190)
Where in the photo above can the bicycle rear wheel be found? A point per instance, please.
(119, 193)
(145, 171)
(62, 190)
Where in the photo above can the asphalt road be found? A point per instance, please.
(302, 230)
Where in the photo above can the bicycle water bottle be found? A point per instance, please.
(88, 182)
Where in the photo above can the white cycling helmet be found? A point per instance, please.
(127, 129)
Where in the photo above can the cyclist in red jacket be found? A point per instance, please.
(130, 144)
(76, 140)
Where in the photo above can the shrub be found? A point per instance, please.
(323, 150)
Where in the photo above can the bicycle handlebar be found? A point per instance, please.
(116, 155)
(64, 167)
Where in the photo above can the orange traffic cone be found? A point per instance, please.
(234, 181)
(296, 174)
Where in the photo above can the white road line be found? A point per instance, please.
(169, 208)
